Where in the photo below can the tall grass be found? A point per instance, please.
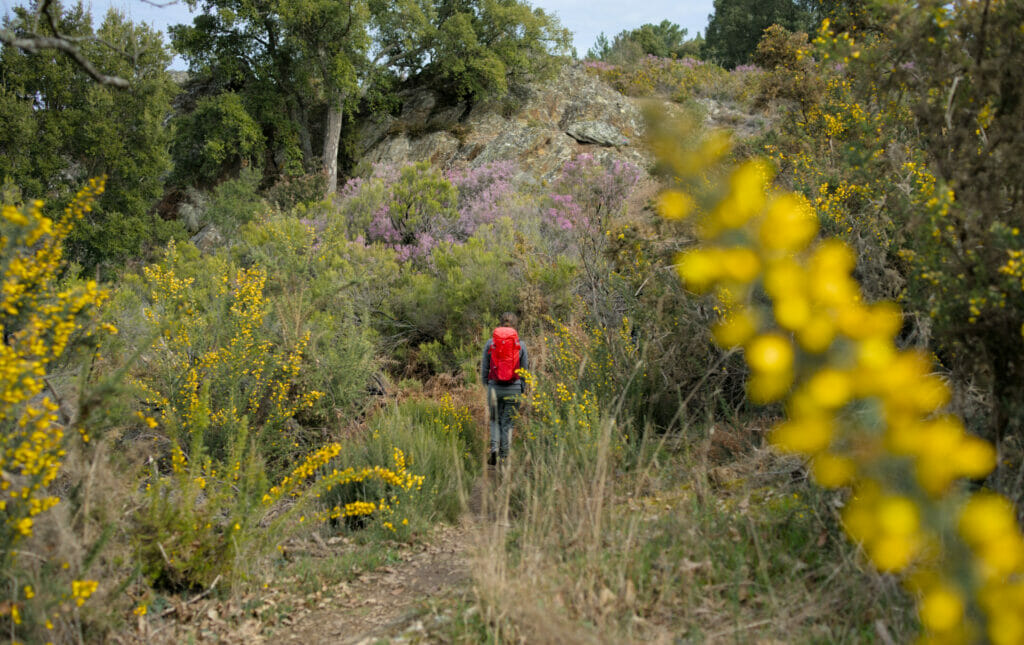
(578, 551)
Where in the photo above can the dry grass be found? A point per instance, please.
(682, 546)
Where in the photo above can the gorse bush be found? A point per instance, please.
(39, 321)
(313, 289)
(437, 440)
(867, 414)
(912, 171)
(210, 317)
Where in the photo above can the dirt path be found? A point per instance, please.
(386, 603)
(399, 602)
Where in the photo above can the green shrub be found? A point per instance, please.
(235, 202)
(315, 291)
(438, 441)
(217, 138)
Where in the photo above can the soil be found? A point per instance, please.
(385, 604)
(397, 603)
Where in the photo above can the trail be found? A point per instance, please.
(392, 601)
(400, 602)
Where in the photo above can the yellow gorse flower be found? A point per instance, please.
(823, 351)
(38, 319)
(82, 589)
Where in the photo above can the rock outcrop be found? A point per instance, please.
(208, 239)
(555, 120)
(596, 132)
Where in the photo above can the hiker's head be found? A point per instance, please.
(509, 319)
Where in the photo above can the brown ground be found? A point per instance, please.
(391, 603)
(385, 603)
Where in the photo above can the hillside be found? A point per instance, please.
(760, 404)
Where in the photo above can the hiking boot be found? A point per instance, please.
(492, 459)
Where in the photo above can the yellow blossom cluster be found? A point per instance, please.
(38, 318)
(865, 412)
(82, 589)
(249, 370)
(315, 465)
(453, 420)
(1014, 266)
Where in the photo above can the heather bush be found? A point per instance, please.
(485, 194)
(408, 209)
(412, 208)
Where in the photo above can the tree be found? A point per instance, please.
(217, 138)
(61, 128)
(736, 26)
(242, 46)
(32, 37)
(328, 56)
(664, 40)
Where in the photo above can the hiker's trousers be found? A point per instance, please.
(502, 404)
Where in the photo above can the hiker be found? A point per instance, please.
(504, 354)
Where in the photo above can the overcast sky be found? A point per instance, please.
(585, 18)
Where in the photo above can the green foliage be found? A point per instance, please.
(915, 172)
(466, 65)
(421, 198)
(736, 26)
(963, 67)
(445, 309)
(790, 72)
(680, 80)
(663, 40)
(242, 46)
(58, 128)
(216, 139)
(313, 287)
(291, 191)
(235, 202)
(294, 61)
(439, 440)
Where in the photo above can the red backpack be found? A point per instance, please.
(504, 355)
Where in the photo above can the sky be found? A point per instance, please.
(585, 18)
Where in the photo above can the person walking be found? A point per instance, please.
(504, 355)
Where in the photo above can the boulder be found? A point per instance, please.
(208, 239)
(553, 121)
(596, 132)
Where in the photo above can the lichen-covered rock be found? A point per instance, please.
(596, 132)
(208, 239)
(534, 135)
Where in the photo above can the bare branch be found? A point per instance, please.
(34, 43)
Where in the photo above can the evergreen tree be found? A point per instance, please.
(58, 128)
(736, 26)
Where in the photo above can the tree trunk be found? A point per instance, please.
(299, 117)
(332, 139)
